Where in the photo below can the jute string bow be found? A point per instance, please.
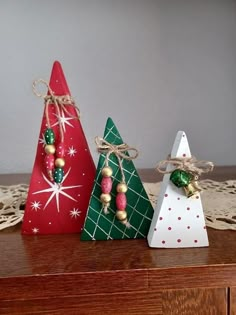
(119, 150)
(59, 101)
(188, 164)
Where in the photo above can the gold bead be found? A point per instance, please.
(105, 198)
(107, 171)
(121, 188)
(50, 149)
(59, 162)
(121, 215)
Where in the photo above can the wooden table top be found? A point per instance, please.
(130, 263)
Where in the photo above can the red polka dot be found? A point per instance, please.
(166, 195)
(197, 216)
(195, 241)
(155, 229)
(161, 218)
(188, 227)
(178, 198)
(169, 209)
(163, 242)
(179, 240)
(179, 218)
(188, 208)
(184, 155)
(169, 228)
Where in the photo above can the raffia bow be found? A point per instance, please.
(185, 172)
(119, 151)
(188, 164)
(60, 101)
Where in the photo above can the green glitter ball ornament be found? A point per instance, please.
(180, 178)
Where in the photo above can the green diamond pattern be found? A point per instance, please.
(100, 226)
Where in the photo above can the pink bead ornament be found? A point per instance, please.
(106, 183)
(60, 151)
(106, 186)
(121, 203)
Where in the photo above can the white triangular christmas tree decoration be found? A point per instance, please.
(178, 221)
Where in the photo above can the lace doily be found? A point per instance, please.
(12, 200)
(218, 198)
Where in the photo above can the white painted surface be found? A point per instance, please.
(178, 221)
(154, 66)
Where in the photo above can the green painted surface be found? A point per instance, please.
(99, 226)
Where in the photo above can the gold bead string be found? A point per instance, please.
(119, 151)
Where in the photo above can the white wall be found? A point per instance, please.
(155, 67)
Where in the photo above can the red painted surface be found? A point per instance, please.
(50, 209)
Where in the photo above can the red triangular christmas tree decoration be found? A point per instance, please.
(53, 207)
(106, 226)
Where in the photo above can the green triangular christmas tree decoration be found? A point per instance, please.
(101, 226)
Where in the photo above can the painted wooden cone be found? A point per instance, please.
(52, 208)
(178, 221)
(107, 226)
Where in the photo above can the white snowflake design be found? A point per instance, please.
(72, 151)
(36, 205)
(63, 121)
(42, 140)
(35, 230)
(75, 213)
(56, 190)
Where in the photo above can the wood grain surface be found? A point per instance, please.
(56, 254)
(140, 303)
(195, 301)
(232, 301)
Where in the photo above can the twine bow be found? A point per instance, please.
(59, 101)
(119, 150)
(189, 164)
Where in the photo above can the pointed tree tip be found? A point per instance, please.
(180, 135)
(57, 67)
(56, 63)
(113, 133)
(180, 147)
(181, 132)
(109, 120)
(57, 80)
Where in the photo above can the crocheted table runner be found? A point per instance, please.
(218, 198)
(12, 201)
